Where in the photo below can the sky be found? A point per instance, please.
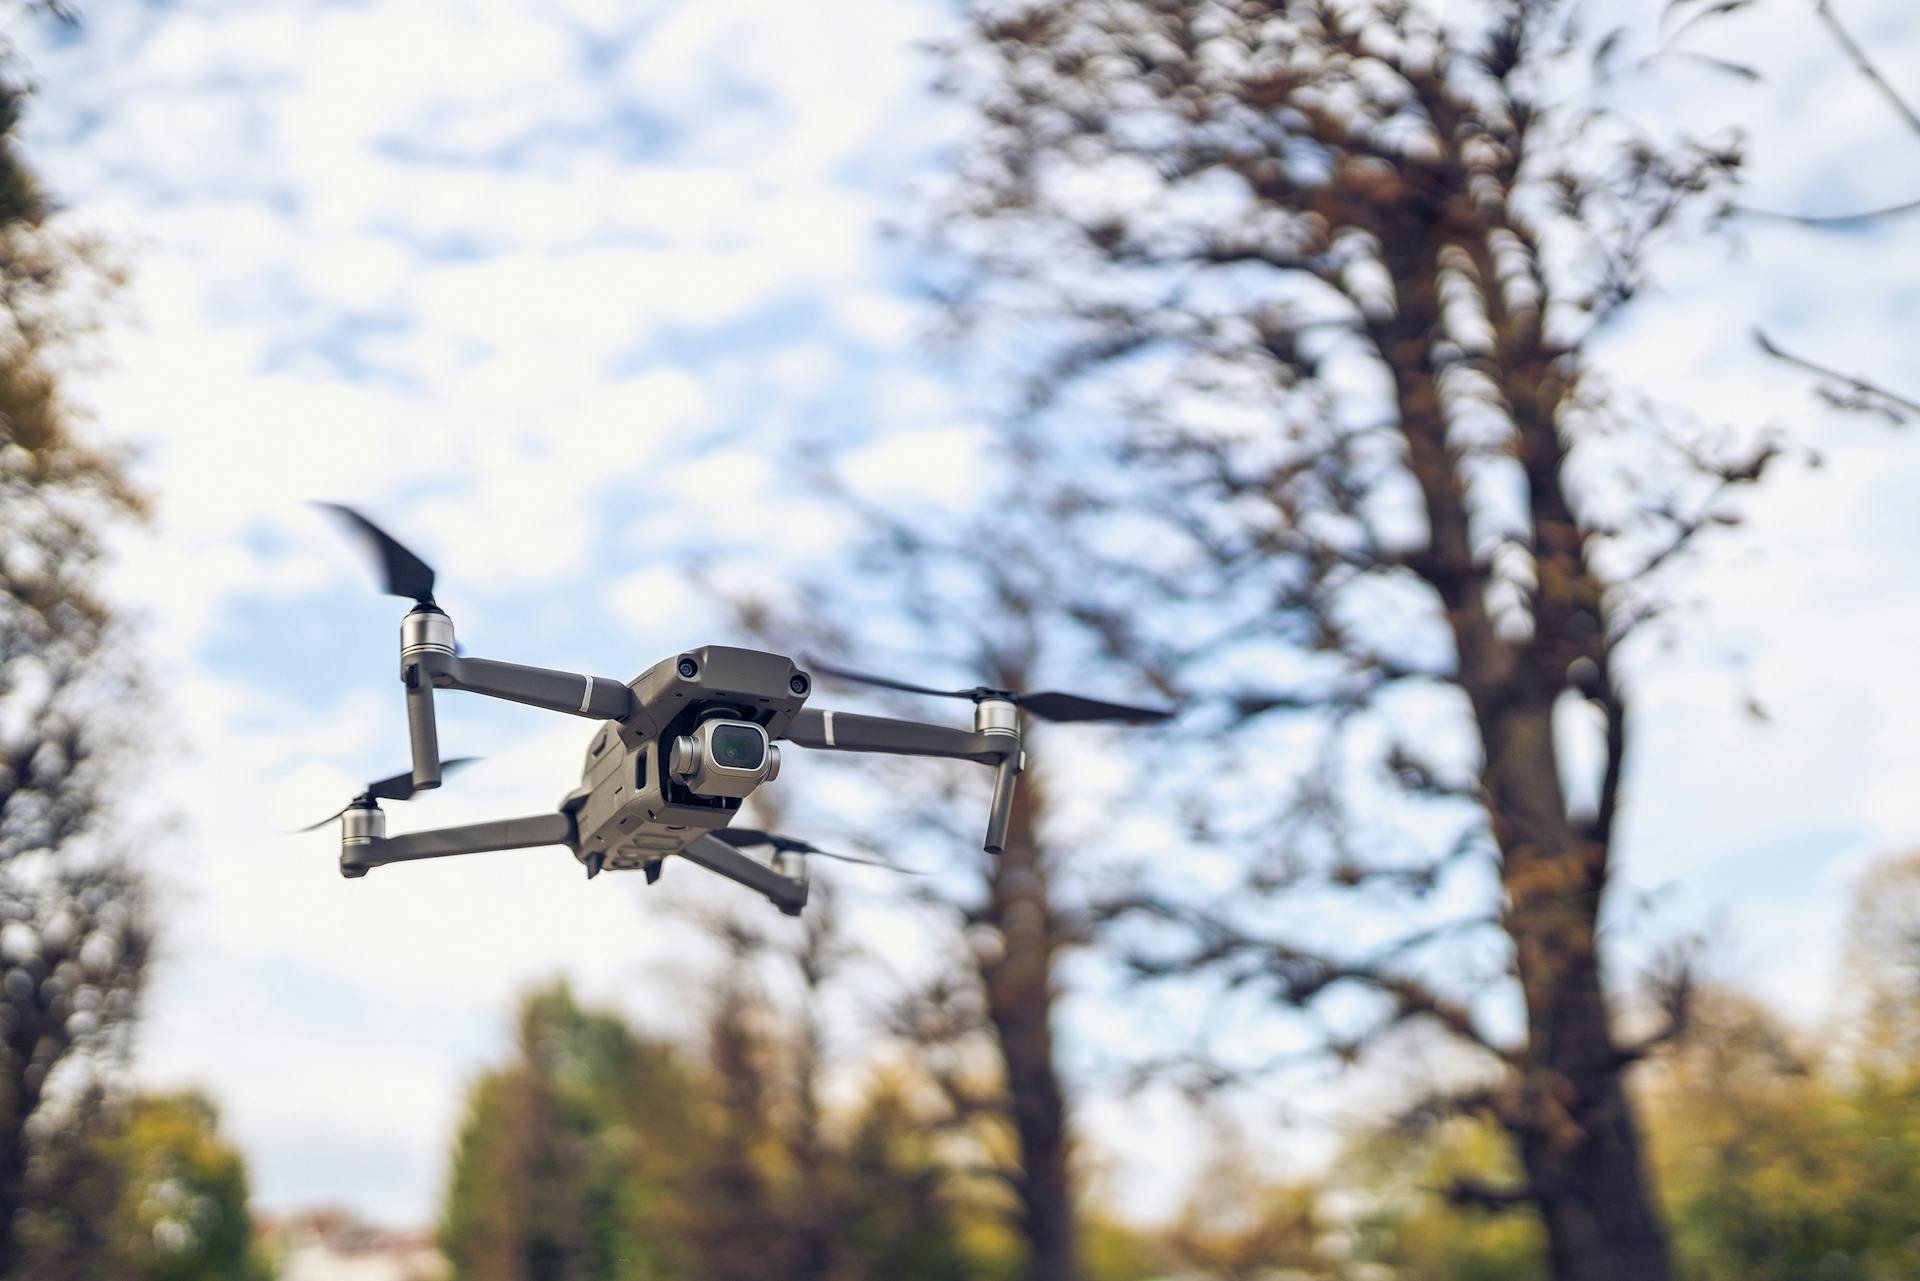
(533, 282)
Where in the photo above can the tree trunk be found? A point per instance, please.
(1574, 1128)
(13, 1178)
(1593, 1196)
(1576, 1134)
(28, 1031)
(1019, 987)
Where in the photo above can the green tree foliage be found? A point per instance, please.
(148, 1191)
(1775, 1163)
(1881, 970)
(1773, 1170)
(1780, 1162)
(74, 941)
(573, 1160)
(1237, 1225)
(603, 1155)
(183, 1204)
(1416, 1223)
(898, 1219)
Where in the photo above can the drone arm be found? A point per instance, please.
(717, 856)
(594, 697)
(441, 842)
(851, 732)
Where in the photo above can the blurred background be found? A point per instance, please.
(1488, 423)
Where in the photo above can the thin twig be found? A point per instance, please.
(1860, 385)
(1831, 220)
(1853, 50)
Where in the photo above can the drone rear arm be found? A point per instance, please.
(786, 893)
(359, 854)
(361, 850)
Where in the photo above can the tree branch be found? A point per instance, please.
(1824, 9)
(1822, 221)
(1862, 396)
(1477, 1194)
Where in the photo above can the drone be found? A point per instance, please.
(678, 750)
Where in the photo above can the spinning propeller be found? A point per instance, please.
(747, 837)
(397, 787)
(427, 629)
(407, 575)
(1049, 705)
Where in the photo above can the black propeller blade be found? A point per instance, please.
(885, 682)
(746, 837)
(406, 574)
(398, 787)
(1049, 705)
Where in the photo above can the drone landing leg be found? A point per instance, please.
(1002, 811)
(357, 856)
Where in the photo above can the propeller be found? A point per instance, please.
(1048, 705)
(406, 574)
(397, 787)
(746, 837)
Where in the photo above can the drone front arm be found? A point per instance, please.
(998, 746)
(357, 855)
(594, 697)
(852, 732)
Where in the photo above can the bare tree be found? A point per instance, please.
(968, 597)
(74, 942)
(1303, 297)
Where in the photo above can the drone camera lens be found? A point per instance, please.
(689, 669)
(738, 747)
(799, 683)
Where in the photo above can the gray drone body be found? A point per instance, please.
(678, 751)
(655, 780)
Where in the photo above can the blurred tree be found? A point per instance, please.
(147, 1190)
(573, 1163)
(900, 1219)
(748, 1227)
(1237, 1225)
(601, 1155)
(1410, 1221)
(1304, 298)
(790, 1190)
(1774, 1164)
(73, 933)
(183, 1205)
(1778, 1165)
(1881, 971)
